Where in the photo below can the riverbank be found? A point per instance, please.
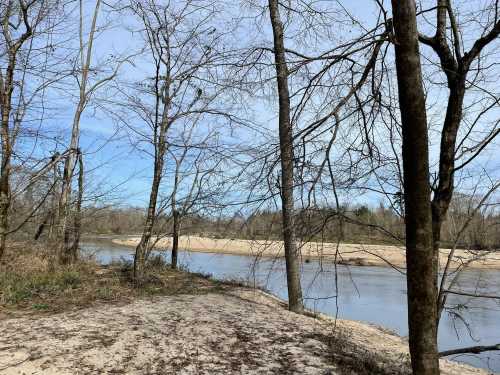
(239, 331)
(353, 254)
(91, 319)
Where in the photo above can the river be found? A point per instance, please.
(370, 294)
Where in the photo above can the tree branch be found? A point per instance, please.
(470, 349)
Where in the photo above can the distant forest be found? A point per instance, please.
(358, 224)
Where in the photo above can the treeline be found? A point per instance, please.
(357, 224)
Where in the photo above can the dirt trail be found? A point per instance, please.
(243, 332)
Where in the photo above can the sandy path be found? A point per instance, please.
(369, 255)
(246, 332)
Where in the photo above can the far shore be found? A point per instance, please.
(352, 254)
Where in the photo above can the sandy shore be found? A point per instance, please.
(356, 254)
(238, 332)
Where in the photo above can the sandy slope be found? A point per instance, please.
(243, 332)
(382, 255)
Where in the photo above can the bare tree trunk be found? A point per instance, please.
(455, 65)
(66, 254)
(143, 247)
(420, 254)
(444, 192)
(64, 215)
(286, 152)
(72, 238)
(54, 219)
(4, 200)
(175, 238)
(42, 226)
(6, 89)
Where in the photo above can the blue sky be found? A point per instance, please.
(115, 165)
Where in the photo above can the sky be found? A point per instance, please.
(115, 166)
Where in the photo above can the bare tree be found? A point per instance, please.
(194, 181)
(464, 134)
(318, 75)
(24, 30)
(456, 66)
(69, 232)
(421, 267)
(182, 48)
(292, 256)
(68, 251)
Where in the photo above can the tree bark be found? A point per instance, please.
(286, 152)
(73, 238)
(5, 176)
(4, 203)
(160, 148)
(175, 239)
(143, 247)
(64, 216)
(444, 191)
(42, 226)
(6, 90)
(420, 254)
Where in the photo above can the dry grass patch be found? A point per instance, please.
(31, 280)
(353, 358)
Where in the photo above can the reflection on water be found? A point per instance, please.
(371, 294)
